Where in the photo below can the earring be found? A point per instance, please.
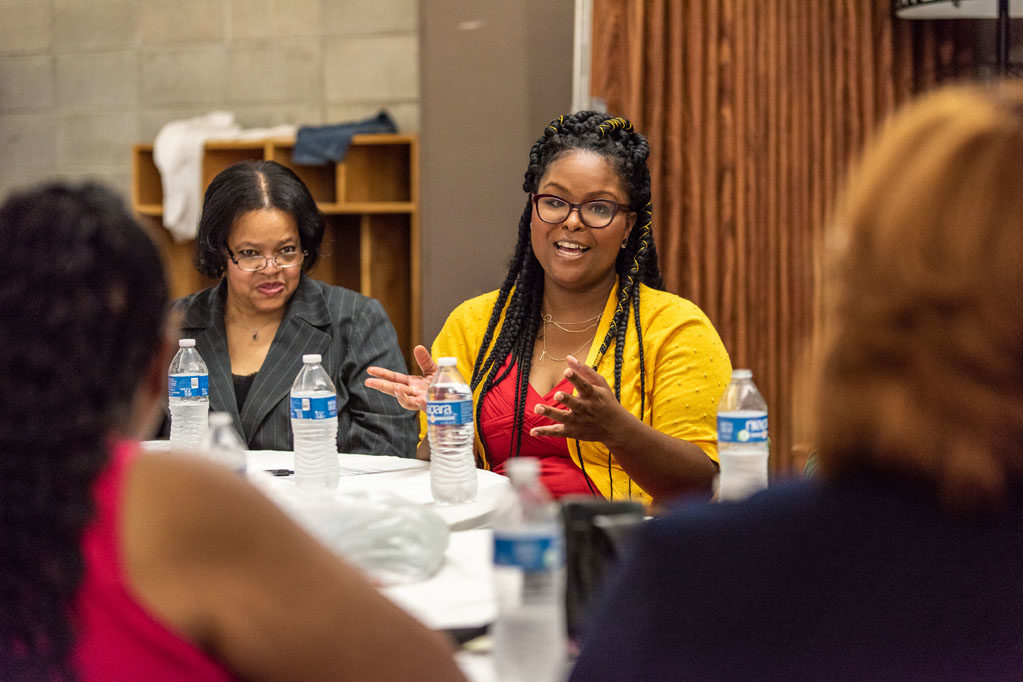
(624, 242)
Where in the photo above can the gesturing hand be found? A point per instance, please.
(409, 389)
(592, 412)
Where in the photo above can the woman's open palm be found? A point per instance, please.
(408, 389)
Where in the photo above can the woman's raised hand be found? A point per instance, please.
(409, 389)
(592, 412)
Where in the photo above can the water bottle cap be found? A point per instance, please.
(522, 468)
(447, 362)
(742, 374)
(186, 343)
(221, 419)
(312, 359)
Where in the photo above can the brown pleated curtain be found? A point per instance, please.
(754, 110)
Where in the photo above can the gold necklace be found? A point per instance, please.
(545, 354)
(255, 332)
(543, 340)
(593, 323)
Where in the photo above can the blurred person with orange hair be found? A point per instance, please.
(903, 561)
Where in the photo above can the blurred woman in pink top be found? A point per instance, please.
(122, 565)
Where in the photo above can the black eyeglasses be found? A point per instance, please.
(595, 213)
(288, 257)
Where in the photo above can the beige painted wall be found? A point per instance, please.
(493, 74)
(82, 80)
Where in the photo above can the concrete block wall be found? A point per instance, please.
(83, 80)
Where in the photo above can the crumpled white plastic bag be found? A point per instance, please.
(393, 540)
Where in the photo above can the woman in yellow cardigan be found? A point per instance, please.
(636, 418)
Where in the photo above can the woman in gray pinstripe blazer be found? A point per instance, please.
(260, 232)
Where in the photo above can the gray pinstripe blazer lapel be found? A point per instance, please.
(304, 329)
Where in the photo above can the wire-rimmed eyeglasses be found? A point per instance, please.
(595, 213)
(288, 257)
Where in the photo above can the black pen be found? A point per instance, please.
(280, 472)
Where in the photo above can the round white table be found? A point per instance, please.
(461, 594)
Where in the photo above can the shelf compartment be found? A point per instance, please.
(321, 180)
(223, 154)
(378, 172)
(146, 186)
(339, 262)
(385, 270)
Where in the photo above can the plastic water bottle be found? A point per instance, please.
(314, 426)
(450, 429)
(742, 438)
(529, 634)
(188, 396)
(222, 444)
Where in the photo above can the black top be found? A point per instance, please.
(864, 579)
(242, 384)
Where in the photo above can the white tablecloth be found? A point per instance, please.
(406, 478)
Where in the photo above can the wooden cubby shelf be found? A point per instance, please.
(370, 205)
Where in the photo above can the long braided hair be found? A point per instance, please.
(521, 293)
(81, 314)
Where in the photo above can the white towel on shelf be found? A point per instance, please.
(177, 153)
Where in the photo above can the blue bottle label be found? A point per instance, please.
(528, 552)
(742, 429)
(314, 408)
(189, 386)
(443, 412)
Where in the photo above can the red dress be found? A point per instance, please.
(117, 637)
(557, 470)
